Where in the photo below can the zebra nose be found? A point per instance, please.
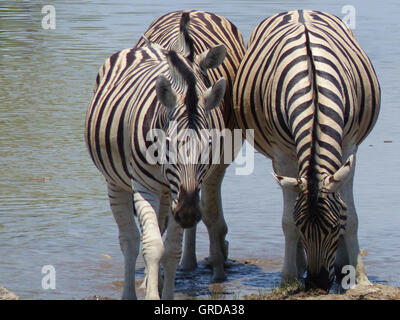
(187, 211)
(318, 281)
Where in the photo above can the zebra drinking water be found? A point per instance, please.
(191, 33)
(311, 95)
(138, 92)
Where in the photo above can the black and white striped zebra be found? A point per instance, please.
(311, 95)
(139, 93)
(191, 33)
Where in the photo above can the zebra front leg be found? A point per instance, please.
(147, 205)
(290, 269)
(171, 257)
(348, 252)
(189, 260)
(294, 261)
(121, 203)
(162, 222)
(214, 220)
(301, 260)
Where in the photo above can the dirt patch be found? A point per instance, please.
(359, 292)
(96, 297)
(7, 295)
(273, 263)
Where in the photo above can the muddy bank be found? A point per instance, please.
(372, 292)
(7, 295)
(254, 279)
(359, 292)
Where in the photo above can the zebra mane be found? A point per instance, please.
(185, 39)
(312, 171)
(181, 70)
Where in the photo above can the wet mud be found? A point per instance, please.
(254, 279)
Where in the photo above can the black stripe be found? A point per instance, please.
(332, 114)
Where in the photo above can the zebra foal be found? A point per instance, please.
(311, 95)
(139, 93)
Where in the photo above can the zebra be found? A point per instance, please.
(138, 92)
(312, 96)
(191, 33)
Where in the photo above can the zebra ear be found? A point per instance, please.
(333, 182)
(290, 183)
(212, 58)
(214, 95)
(165, 94)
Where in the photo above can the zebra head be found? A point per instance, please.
(188, 108)
(320, 216)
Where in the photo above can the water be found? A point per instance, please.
(54, 209)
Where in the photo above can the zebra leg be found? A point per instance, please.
(290, 269)
(348, 252)
(189, 260)
(121, 204)
(214, 220)
(294, 261)
(162, 222)
(171, 257)
(147, 205)
(301, 261)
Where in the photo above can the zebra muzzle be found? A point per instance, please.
(318, 281)
(186, 210)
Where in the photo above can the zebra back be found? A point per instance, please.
(313, 79)
(192, 33)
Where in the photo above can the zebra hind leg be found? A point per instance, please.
(121, 203)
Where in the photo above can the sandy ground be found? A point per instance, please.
(359, 292)
(7, 295)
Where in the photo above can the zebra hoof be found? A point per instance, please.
(219, 273)
(189, 265)
(219, 277)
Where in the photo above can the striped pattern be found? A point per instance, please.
(204, 31)
(125, 118)
(125, 101)
(119, 132)
(192, 33)
(309, 92)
